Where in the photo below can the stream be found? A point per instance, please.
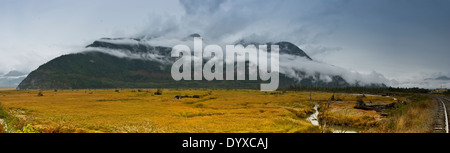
(315, 121)
(337, 129)
(313, 118)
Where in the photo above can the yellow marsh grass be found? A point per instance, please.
(343, 113)
(132, 111)
(417, 117)
(7, 88)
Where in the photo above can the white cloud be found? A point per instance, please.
(398, 42)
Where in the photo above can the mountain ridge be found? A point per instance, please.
(141, 65)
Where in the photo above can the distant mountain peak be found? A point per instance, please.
(290, 48)
(285, 47)
(111, 70)
(138, 45)
(195, 35)
(15, 73)
(442, 78)
(12, 78)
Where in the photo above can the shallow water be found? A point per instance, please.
(314, 121)
(313, 118)
(343, 131)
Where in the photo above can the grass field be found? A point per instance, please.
(215, 111)
(416, 117)
(6, 88)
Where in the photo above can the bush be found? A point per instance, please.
(332, 98)
(3, 114)
(158, 91)
(40, 94)
(29, 129)
(360, 102)
(2, 130)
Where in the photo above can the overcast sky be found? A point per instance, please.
(405, 40)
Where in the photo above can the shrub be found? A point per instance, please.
(332, 98)
(29, 129)
(3, 114)
(360, 102)
(158, 91)
(2, 130)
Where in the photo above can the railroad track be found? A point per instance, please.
(442, 116)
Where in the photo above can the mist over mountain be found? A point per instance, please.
(146, 62)
(400, 42)
(12, 78)
(440, 78)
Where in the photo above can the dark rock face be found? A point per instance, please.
(289, 48)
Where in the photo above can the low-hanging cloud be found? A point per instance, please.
(290, 65)
(293, 66)
(225, 21)
(229, 22)
(201, 6)
(401, 41)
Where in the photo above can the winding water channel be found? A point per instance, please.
(313, 118)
